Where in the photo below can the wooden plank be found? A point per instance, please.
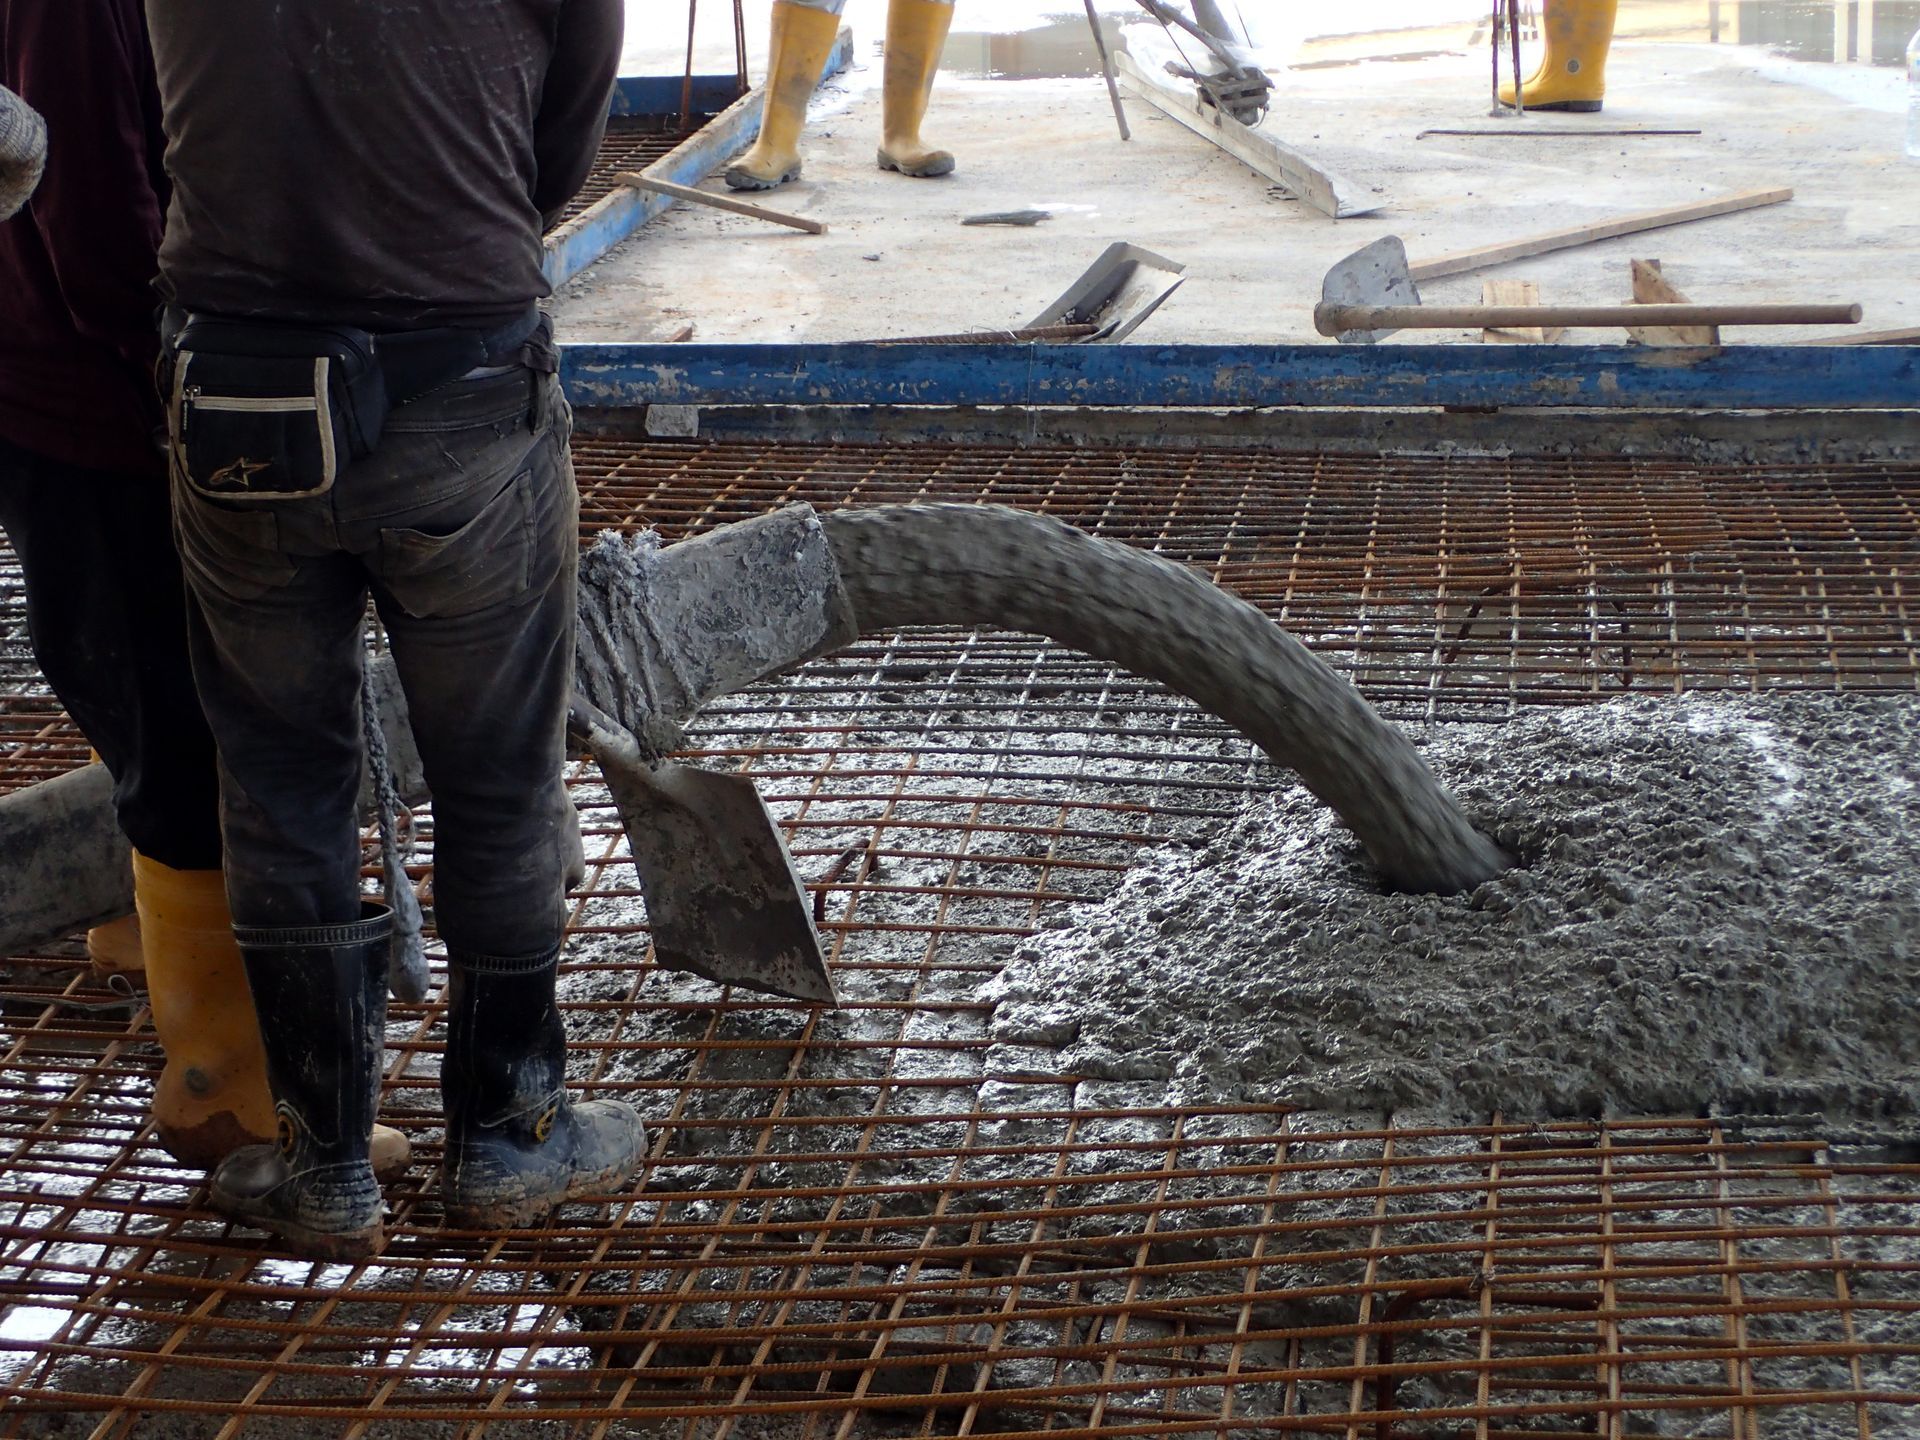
(720, 202)
(1735, 377)
(1481, 256)
(1650, 287)
(1285, 166)
(1515, 292)
(1908, 336)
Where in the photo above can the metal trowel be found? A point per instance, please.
(723, 898)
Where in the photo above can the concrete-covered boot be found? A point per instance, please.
(916, 34)
(321, 994)
(1573, 71)
(803, 36)
(516, 1145)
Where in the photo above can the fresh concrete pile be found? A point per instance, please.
(1716, 908)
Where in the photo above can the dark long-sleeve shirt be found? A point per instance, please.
(380, 163)
(77, 338)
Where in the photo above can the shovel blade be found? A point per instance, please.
(723, 898)
(1374, 275)
(1117, 292)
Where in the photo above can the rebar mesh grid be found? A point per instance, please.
(632, 142)
(879, 1220)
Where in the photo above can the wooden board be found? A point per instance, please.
(1516, 292)
(1482, 256)
(1908, 336)
(1650, 287)
(1285, 166)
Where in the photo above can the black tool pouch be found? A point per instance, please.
(270, 411)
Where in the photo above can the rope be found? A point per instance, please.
(407, 962)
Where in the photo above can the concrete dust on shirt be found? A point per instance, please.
(1717, 909)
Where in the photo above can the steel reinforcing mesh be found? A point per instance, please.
(877, 1220)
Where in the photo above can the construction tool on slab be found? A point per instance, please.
(1363, 324)
(720, 202)
(1380, 274)
(1234, 86)
(1294, 171)
(1106, 69)
(723, 898)
(1115, 295)
(1379, 279)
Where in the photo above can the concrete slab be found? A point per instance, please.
(898, 262)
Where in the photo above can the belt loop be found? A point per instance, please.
(540, 411)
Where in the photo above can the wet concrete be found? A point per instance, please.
(1718, 913)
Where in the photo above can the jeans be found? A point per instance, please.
(107, 616)
(463, 525)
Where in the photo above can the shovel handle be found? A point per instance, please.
(1331, 319)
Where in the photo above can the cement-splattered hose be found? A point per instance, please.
(988, 565)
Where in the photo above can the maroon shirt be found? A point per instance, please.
(77, 334)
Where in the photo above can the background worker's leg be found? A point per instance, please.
(106, 612)
(1573, 69)
(916, 34)
(803, 35)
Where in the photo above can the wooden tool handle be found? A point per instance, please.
(1334, 319)
(720, 202)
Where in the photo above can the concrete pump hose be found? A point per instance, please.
(988, 565)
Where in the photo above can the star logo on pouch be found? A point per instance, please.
(240, 472)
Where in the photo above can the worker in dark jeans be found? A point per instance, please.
(364, 401)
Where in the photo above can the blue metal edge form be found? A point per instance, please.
(1760, 377)
(580, 242)
(660, 94)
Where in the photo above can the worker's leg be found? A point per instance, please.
(474, 575)
(803, 36)
(277, 617)
(106, 614)
(106, 610)
(916, 34)
(1573, 68)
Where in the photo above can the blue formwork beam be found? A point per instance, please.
(1761, 377)
(585, 238)
(661, 94)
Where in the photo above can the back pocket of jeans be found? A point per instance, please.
(227, 552)
(484, 561)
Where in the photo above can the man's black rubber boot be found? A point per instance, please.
(321, 995)
(516, 1146)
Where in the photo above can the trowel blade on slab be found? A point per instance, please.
(723, 898)
(1376, 274)
(1118, 291)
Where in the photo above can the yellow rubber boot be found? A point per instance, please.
(115, 947)
(1573, 72)
(916, 33)
(803, 36)
(212, 1096)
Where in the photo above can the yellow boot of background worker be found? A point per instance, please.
(1573, 72)
(803, 36)
(212, 1096)
(916, 34)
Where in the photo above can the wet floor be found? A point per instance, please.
(1850, 31)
